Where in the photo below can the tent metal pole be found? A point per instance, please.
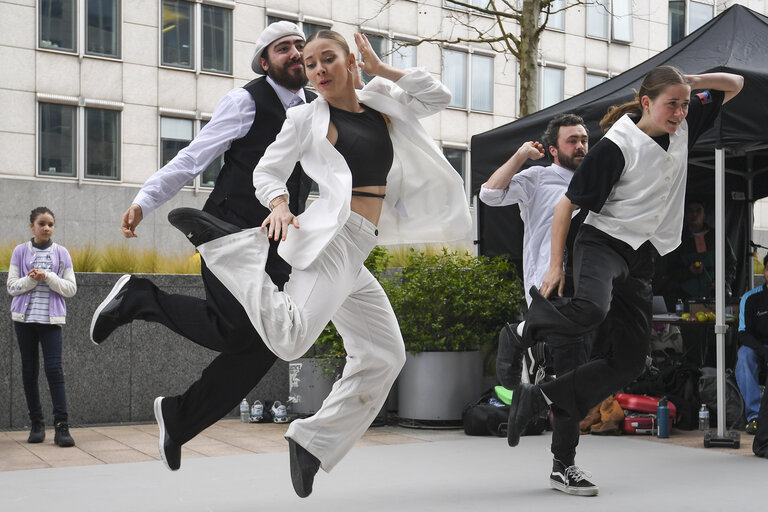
(720, 326)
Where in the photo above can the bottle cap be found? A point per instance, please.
(663, 401)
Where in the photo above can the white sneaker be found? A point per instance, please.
(257, 412)
(279, 412)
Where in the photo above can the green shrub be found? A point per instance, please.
(453, 302)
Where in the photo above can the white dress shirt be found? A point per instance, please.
(537, 190)
(231, 120)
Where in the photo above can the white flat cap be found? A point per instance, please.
(271, 34)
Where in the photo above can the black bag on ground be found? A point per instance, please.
(676, 379)
(734, 403)
(486, 417)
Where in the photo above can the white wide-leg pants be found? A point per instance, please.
(337, 287)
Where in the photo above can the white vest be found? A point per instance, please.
(647, 201)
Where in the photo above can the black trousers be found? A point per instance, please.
(219, 323)
(612, 286)
(567, 353)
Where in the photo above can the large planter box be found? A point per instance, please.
(437, 385)
(309, 382)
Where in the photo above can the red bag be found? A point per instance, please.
(644, 403)
(639, 425)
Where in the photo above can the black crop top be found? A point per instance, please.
(363, 140)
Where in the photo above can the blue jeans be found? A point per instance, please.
(30, 337)
(748, 365)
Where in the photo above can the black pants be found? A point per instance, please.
(31, 338)
(217, 322)
(568, 353)
(612, 285)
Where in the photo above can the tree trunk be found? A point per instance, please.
(529, 50)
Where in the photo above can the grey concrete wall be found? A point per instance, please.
(90, 213)
(117, 381)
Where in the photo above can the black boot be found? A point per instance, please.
(37, 432)
(199, 226)
(62, 437)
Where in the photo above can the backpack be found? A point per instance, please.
(489, 416)
(734, 403)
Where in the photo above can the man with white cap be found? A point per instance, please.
(243, 124)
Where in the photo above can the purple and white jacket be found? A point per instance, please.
(61, 280)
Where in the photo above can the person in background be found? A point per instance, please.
(537, 190)
(691, 267)
(752, 357)
(40, 277)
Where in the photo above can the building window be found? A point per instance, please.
(68, 130)
(551, 86)
(176, 134)
(458, 157)
(686, 17)
(475, 3)
(197, 32)
(58, 22)
(392, 51)
(557, 15)
(102, 143)
(593, 80)
(610, 19)
(469, 76)
(58, 138)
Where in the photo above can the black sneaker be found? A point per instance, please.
(527, 403)
(199, 226)
(509, 357)
(37, 432)
(304, 467)
(751, 427)
(62, 437)
(170, 450)
(571, 480)
(106, 318)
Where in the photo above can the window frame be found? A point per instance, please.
(543, 66)
(391, 38)
(687, 18)
(609, 24)
(467, 177)
(198, 120)
(80, 32)
(196, 39)
(81, 104)
(469, 51)
(605, 75)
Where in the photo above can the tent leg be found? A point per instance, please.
(721, 438)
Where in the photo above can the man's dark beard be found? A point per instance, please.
(283, 76)
(569, 162)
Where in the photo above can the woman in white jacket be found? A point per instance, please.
(381, 180)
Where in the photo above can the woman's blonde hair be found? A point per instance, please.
(333, 36)
(653, 84)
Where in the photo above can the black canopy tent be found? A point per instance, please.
(735, 41)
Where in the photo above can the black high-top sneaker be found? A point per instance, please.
(62, 437)
(37, 432)
(571, 480)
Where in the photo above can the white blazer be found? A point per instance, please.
(425, 200)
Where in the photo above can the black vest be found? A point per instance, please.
(233, 197)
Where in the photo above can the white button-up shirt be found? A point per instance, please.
(537, 190)
(231, 120)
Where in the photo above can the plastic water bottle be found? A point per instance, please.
(679, 307)
(703, 417)
(662, 417)
(245, 413)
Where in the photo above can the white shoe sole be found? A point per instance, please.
(115, 290)
(575, 491)
(280, 420)
(158, 407)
